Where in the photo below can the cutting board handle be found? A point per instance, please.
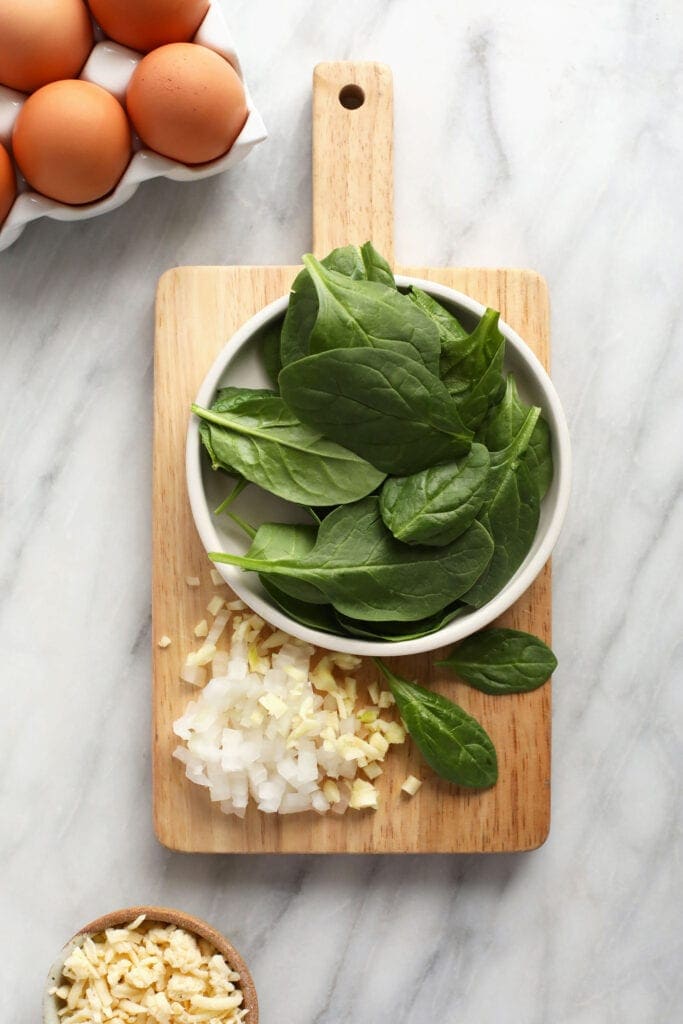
(353, 158)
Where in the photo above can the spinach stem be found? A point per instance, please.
(243, 525)
(241, 485)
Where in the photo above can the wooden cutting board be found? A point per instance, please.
(198, 310)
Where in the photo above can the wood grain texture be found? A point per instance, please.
(353, 158)
(198, 309)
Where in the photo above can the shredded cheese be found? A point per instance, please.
(148, 973)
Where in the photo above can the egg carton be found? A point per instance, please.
(111, 66)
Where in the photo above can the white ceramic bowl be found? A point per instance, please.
(111, 66)
(239, 364)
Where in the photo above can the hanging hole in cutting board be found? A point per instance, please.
(352, 97)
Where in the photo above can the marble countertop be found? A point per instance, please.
(541, 135)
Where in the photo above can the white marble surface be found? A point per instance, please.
(545, 135)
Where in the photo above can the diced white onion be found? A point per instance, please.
(216, 631)
(270, 729)
(195, 675)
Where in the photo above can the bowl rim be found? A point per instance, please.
(163, 915)
(459, 628)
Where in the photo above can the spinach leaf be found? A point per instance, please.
(453, 743)
(362, 314)
(382, 405)
(503, 423)
(470, 365)
(356, 565)
(396, 631)
(510, 514)
(453, 337)
(502, 661)
(270, 350)
(512, 521)
(206, 439)
(436, 505)
(358, 264)
(477, 378)
(278, 540)
(315, 616)
(254, 434)
(376, 267)
(287, 541)
(226, 400)
(539, 459)
(507, 459)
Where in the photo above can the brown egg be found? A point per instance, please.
(72, 141)
(42, 41)
(8, 184)
(146, 24)
(187, 103)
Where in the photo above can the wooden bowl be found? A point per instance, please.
(162, 915)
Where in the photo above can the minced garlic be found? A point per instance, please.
(148, 973)
(363, 795)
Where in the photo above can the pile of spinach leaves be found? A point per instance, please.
(396, 429)
(422, 473)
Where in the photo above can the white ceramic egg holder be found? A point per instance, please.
(111, 66)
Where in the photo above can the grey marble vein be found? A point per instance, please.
(548, 136)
